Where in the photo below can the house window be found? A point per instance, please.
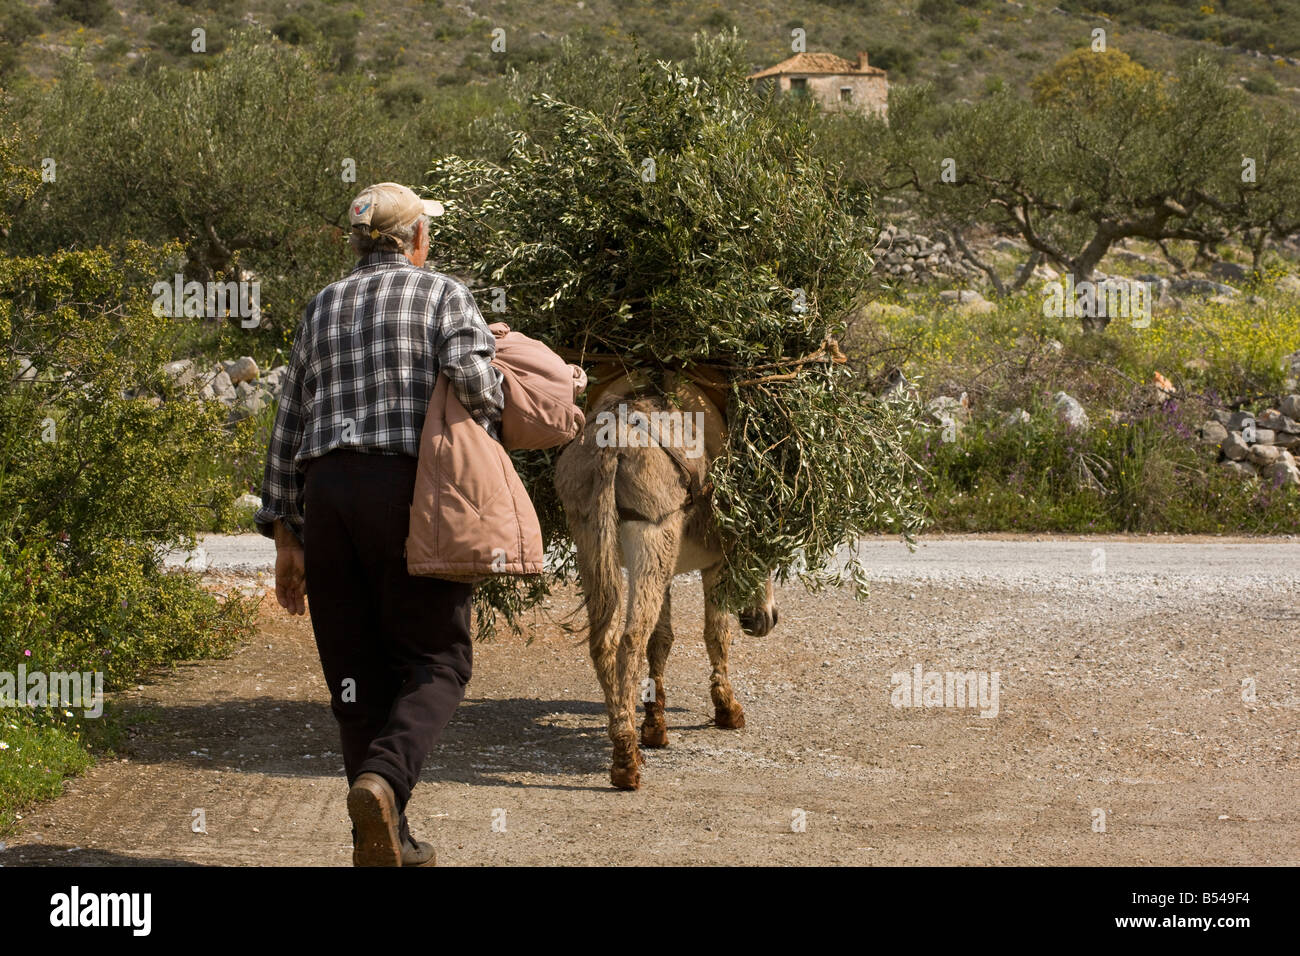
(799, 85)
(846, 94)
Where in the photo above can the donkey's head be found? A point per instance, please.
(761, 618)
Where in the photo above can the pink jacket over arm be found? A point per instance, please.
(471, 516)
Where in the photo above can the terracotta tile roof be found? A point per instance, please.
(822, 63)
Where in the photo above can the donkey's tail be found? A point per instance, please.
(585, 477)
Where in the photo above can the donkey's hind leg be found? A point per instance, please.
(651, 549)
(654, 732)
(727, 711)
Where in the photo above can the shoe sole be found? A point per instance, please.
(374, 814)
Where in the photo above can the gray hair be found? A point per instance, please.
(401, 239)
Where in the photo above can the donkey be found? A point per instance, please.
(641, 505)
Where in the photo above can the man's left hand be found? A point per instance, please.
(290, 571)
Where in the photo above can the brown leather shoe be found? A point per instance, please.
(418, 853)
(373, 809)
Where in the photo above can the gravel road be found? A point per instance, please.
(1148, 712)
(1031, 562)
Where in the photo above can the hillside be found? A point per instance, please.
(403, 46)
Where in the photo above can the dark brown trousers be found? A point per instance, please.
(395, 649)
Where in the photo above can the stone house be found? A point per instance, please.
(836, 83)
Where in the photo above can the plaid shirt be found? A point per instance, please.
(362, 371)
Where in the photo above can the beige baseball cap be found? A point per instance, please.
(388, 206)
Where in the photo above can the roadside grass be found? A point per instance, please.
(165, 618)
(1139, 465)
(47, 747)
(36, 758)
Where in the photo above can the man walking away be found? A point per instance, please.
(340, 472)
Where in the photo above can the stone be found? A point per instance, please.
(1289, 283)
(1282, 472)
(1276, 421)
(26, 370)
(1016, 418)
(1264, 454)
(1290, 407)
(242, 369)
(1292, 363)
(1234, 448)
(181, 372)
(1069, 410)
(1263, 436)
(978, 307)
(1214, 433)
(248, 502)
(223, 389)
(1222, 416)
(248, 405)
(1239, 420)
(1195, 286)
(1229, 271)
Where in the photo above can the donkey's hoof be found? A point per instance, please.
(625, 770)
(654, 735)
(729, 718)
(625, 778)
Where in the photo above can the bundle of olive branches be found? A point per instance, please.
(687, 222)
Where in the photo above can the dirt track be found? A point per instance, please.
(1120, 691)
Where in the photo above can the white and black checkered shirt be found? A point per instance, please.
(362, 371)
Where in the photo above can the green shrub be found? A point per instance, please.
(94, 483)
(937, 11)
(895, 58)
(1143, 474)
(295, 29)
(91, 13)
(1261, 83)
(671, 216)
(191, 155)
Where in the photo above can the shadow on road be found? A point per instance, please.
(55, 855)
(489, 742)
